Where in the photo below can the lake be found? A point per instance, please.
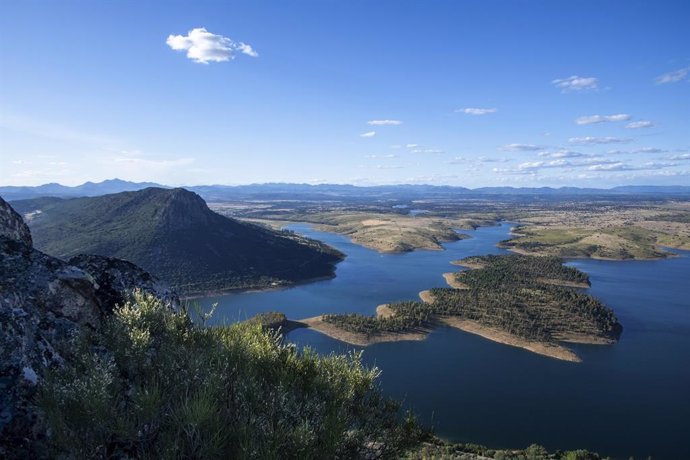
(632, 398)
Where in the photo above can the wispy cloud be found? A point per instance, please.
(203, 46)
(476, 111)
(640, 150)
(640, 124)
(681, 157)
(563, 153)
(535, 165)
(576, 84)
(522, 147)
(427, 151)
(386, 156)
(673, 77)
(384, 122)
(617, 166)
(592, 119)
(411, 146)
(598, 140)
(368, 134)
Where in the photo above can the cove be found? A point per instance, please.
(631, 398)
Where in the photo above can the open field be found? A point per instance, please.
(605, 229)
(639, 232)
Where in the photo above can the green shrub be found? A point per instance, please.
(154, 384)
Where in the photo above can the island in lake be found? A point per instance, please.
(529, 302)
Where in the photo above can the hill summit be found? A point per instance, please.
(173, 234)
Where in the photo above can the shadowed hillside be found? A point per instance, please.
(172, 233)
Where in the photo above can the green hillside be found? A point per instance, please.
(173, 234)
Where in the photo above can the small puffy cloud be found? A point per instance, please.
(368, 134)
(476, 111)
(522, 147)
(592, 119)
(597, 140)
(673, 77)
(203, 46)
(411, 146)
(575, 84)
(384, 122)
(640, 124)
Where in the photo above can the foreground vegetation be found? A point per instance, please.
(511, 293)
(153, 384)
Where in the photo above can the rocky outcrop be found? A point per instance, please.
(44, 303)
(12, 225)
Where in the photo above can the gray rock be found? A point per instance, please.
(44, 303)
(12, 225)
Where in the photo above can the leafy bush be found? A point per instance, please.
(153, 384)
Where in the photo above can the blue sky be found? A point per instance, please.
(471, 93)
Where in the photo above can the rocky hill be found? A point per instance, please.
(173, 234)
(44, 302)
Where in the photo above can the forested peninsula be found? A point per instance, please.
(530, 302)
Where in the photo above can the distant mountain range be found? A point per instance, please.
(331, 191)
(174, 235)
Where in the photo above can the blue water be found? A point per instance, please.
(632, 398)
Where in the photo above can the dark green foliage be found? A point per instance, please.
(512, 293)
(408, 316)
(172, 234)
(439, 450)
(518, 269)
(153, 384)
(270, 320)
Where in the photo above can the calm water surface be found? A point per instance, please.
(632, 398)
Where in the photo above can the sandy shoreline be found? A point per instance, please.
(358, 339)
(454, 283)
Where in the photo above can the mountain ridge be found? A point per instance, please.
(276, 190)
(174, 235)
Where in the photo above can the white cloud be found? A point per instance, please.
(597, 140)
(563, 153)
(522, 147)
(368, 134)
(640, 124)
(534, 165)
(591, 119)
(148, 163)
(649, 150)
(476, 111)
(681, 157)
(673, 77)
(427, 151)
(203, 46)
(575, 83)
(640, 150)
(617, 166)
(389, 155)
(411, 146)
(384, 122)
